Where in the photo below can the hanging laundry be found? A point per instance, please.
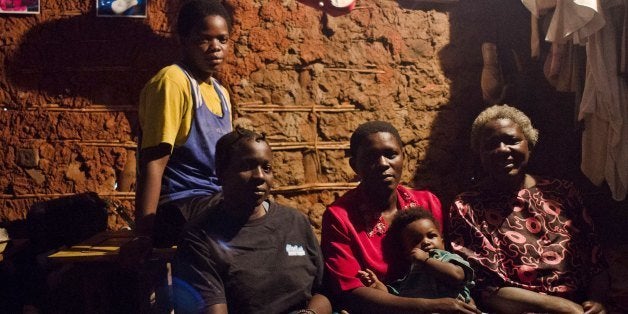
(561, 68)
(574, 20)
(571, 19)
(539, 7)
(570, 23)
(535, 42)
(604, 110)
(604, 103)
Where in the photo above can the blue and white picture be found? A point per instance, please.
(121, 8)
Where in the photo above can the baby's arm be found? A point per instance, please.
(369, 279)
(450, 272)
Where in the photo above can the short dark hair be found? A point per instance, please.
(408, 216)
(227, 144)
(192, 13)
(368, 128)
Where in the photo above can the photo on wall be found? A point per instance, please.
(19, 6)
(121, 8)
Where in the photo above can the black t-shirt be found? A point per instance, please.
(269, 265)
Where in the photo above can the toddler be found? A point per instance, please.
(434, 272)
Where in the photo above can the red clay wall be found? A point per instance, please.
(69, 85)
(70, 82)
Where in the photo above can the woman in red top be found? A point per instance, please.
(355, 226)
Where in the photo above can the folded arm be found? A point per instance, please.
(449, 272)
(368, 300)
(518, 300)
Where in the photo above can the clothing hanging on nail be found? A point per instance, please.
(604, 109)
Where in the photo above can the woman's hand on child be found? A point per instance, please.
(369, 279)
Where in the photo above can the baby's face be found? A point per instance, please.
(423, 234)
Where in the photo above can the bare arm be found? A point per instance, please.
(319, 304)
(450, 273)
(518, 300)
(152, 163)
(217, 309)
(369, 300)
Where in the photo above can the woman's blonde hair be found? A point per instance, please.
(503, 112)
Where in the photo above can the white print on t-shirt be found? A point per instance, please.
(295, 250)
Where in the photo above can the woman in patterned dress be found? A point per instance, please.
(528, 238)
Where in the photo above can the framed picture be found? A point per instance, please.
(121, 8)
(19, 6)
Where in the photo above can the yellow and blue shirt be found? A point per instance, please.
(190, 116)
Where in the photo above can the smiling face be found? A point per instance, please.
(248, 177)
(504, 151)
(421, 233)
(379, 163)
(206, 47)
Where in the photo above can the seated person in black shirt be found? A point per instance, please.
(246, 254)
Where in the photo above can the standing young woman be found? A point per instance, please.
(183, 112)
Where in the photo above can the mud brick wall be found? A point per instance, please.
(69, 86)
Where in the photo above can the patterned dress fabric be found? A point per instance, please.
(540, 239)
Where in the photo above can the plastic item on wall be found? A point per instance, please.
(492, 82)
(119, 6)
(19, 6)
(122, 8)
(331, 7)
(4, 239)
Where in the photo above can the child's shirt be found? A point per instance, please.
(422, 281)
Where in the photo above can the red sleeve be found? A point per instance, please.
(341, 266)
(436, 209)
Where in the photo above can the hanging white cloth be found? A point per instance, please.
(604, 109)
(575, 20)
(539, 7)
(604, 105)
(572, 20)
